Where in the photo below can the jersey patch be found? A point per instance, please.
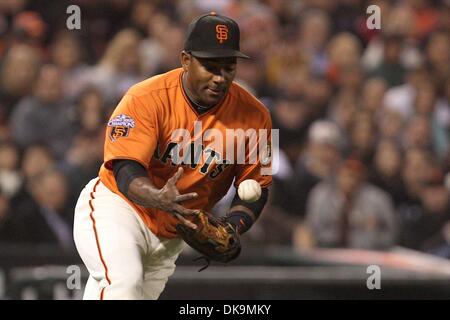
(120, 126)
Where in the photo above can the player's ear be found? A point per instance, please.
(186, 59)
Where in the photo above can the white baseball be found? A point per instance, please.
(249, 190)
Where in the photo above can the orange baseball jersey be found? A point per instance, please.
(142, 128)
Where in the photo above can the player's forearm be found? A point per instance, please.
(241, 208)
(243, 214)
(242, 218)
(142, 192)
(133, 182)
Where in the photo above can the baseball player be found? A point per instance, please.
(125, 219)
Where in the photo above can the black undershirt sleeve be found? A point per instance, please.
(125, 171)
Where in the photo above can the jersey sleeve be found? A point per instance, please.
(261, 169)
(132, 131)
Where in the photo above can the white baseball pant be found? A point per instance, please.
(124, 258)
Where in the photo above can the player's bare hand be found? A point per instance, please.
(170, 197)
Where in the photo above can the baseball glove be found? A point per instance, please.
(216, 239)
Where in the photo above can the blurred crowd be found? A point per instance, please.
(364, 115)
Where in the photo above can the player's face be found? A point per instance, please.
(208, 80)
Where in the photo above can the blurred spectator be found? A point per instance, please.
(159, 51)
(68, 56)
(348, 212)
(293, 80)
(386, 170)
(85, 154)
(342, 108)
(391, 68)
(416, 170)
(316, 163)
(438, 55)
(400, 20)
(258, 25)
(314, 32)
(10, 176)
(119, 67)
(373, 91)
(347, 15)
(318, 92)
(30, 28)
(425, 104)
(285, 62)
(425, 17)
(350, 79)
(142, 12)
(416, 175)
(344, 51)
(426, 230)
(400, 99)
(172, 43)
(36, 159)
(91, 112)
(442, 112)
(151, 50)
(418, 133)
(390, 125)
(19, 71)
(362, 136)
(396, 24)
(439, 244)
(425, 99)
(4, 213)
(291, 116)
(251, 75)
(44, 116)
(44, 219)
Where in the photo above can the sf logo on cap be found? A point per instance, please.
(221, 32)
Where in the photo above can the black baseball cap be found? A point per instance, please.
(213, 36)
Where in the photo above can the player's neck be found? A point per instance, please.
(200, 109)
